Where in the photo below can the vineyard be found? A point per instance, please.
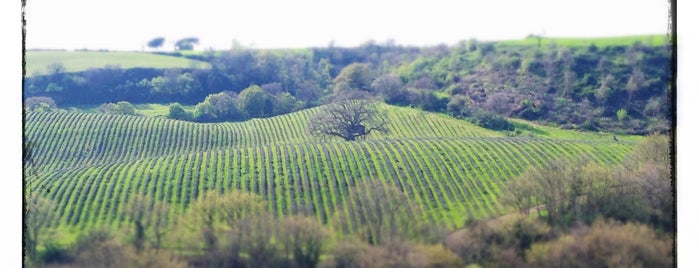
(91, 164)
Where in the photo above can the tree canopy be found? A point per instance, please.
(186, 43)
(156, 42)
(351, 115)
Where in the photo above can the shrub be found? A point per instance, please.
(178, 113)
(492, 121)
(604, 244)
(121, 107)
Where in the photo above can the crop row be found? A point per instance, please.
(68, 140)
(451, 179)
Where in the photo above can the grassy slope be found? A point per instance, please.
(452, 168)
(75, 61)
(651, 40)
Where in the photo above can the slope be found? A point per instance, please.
(450, 168)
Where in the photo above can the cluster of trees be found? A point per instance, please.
(39, 103)
(252, 102)
(519, 241)
(187, 43)
(235, 229)
(640, 189)
(615, 88)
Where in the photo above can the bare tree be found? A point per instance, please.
(39, 212)
(380, 213)
(351, 115)
(147, 214)
(303, 238)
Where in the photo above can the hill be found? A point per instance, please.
(648, 40)
(92, 163)
(37, 61)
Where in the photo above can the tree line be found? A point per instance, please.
(612, 88)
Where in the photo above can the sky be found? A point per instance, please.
(130, 24)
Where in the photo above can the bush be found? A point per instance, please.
(492, 121)
(604, 244)
(460, 106)
(54, 254)
(439, 256)
(178, 113)
(121, 107)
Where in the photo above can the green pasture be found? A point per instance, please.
(648, 40)
(75, 61)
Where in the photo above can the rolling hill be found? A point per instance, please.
(91, 164)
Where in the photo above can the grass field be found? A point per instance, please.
(450, 168)
(649, 40)
(75, 61)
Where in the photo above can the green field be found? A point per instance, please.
(649, 40)
(75, 61)
(92, 163)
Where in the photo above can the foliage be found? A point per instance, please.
(304, 239)
(219, 107)
(491, 121)
(579, 84)
(174, 83)
(122, 107)
(438, 256)
(102, 248)
(150, 216)
(213, 213)
(604, 244)
(356, 76)
(255, 102)
(497, 242)
(38, 214)
(637, 190)
(186, 43)
(40, 103)
(381, 214)
(621, 114)
(175, 111)
(156, 42)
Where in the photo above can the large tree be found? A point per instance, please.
(255, 102)
(156, 42)
(39, 211)
(380, 213)
(186, 43)
(147, 215)
(352, 114)
(356, 76)
(303, 239)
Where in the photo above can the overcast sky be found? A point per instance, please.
(129, 24)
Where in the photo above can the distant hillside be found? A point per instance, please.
(93, 163)
(37, 61)
(615, 84)
(648, 40)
